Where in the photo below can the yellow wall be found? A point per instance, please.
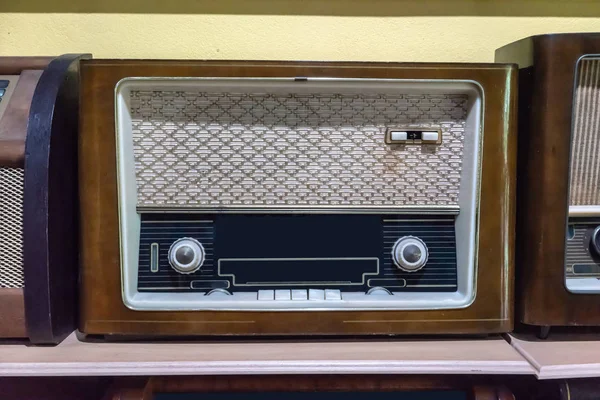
(382, 30)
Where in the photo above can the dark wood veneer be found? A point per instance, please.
(546, 78)
(102, 309)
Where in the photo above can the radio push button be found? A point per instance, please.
(186, 255)
(283, 294)
(299, 294)
(333, 294)
(266, 294)
(410, 253)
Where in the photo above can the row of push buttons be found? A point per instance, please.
(300, 294)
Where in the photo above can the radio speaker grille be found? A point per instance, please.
(11, 228)
(585, 147)
(213, 150)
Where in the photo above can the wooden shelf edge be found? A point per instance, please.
(492, 356)
(262, 368)
(544, 370)
(571, 371)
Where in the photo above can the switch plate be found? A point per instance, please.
(413, 135)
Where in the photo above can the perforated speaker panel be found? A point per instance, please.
(585, 147)
(11, 228)
(221, 150)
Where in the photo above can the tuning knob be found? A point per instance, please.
(595, 241)
(410, 253)
(186, 255)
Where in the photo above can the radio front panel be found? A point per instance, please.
(298, 194)
(263, 253)
(582, 251)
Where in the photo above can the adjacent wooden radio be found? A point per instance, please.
(38, 197)
(558, 228)
(294, 198)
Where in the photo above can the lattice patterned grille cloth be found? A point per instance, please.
(11, 228)
(198, 149)
(585, 147)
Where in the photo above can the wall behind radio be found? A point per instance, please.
(370, 30)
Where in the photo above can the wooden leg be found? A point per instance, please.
(543, 332)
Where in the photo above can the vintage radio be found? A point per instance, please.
(558, 250)
(271, 198)
(38, 197)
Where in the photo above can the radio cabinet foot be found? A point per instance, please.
(543, 332)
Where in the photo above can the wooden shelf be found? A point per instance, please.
(561, 356)
(72, 357)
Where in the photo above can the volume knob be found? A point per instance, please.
(410, 253)
(186, 255)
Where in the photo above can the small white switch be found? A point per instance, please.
(398, 136)
(266, 294)
(316, 294)
(332, 294)
(299, 294)
(283, 294)
(430, 136)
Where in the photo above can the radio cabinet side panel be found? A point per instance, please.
(102, 309)
(545, 99)
(22, 75)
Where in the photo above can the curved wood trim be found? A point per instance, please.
(50, 203)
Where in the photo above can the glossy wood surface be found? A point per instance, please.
(12, 313)
(13, 125)
(102, 309)
(545, 98)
